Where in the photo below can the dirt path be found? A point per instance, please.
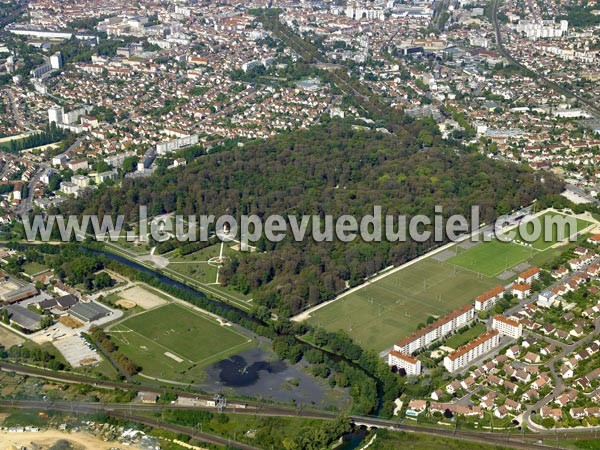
(45, 439)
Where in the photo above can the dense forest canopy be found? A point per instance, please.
(330, 169)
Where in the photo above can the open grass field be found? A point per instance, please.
(457, 340)
(492, 258)
(549, 225)
(380, 313)
(201, 267)
(172, 340)
(32, 268)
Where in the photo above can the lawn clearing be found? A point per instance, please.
(32, 268)
(494, 257)
(200, 268)
(171, 340)
(380, 313)
(458, 340)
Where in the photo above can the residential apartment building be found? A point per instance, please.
(437, 330)
(507, 326)
(471, 351)
(488, 299)
(521, 290)
(410, 364)
(528, 276)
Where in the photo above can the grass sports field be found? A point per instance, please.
(551, 222)
(175, 342)
(495, 257)
(492, 258)
(380, 313)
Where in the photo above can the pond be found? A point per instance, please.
(257, 373)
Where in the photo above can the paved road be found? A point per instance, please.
(16, 111)
(559, 386)
(26, 204)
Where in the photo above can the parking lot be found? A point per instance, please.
(77, 351)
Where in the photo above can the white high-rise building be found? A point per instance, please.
(410, 364)
(56, 61)
(55, 114)
(508, 327)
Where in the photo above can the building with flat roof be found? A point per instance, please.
(22, 317)
(88, 312)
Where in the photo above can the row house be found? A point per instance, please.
(582, 261)
(456, 409)
(582, 413)
(565, 398)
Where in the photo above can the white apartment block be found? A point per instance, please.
(411, 365)
(529, 276)
(473, 350)
(437, 330)
(506, 326)
(488, 299)
(542, 29)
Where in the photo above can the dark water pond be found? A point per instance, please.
(237, 372)
(257, 373)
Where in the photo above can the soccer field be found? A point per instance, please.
(173, 340)
(379, 314)
(549, 224)
(492, 258)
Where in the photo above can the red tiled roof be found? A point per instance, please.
(404, 357)
(471, 345)
(438, 323)
(489, 294)
(529, 272)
